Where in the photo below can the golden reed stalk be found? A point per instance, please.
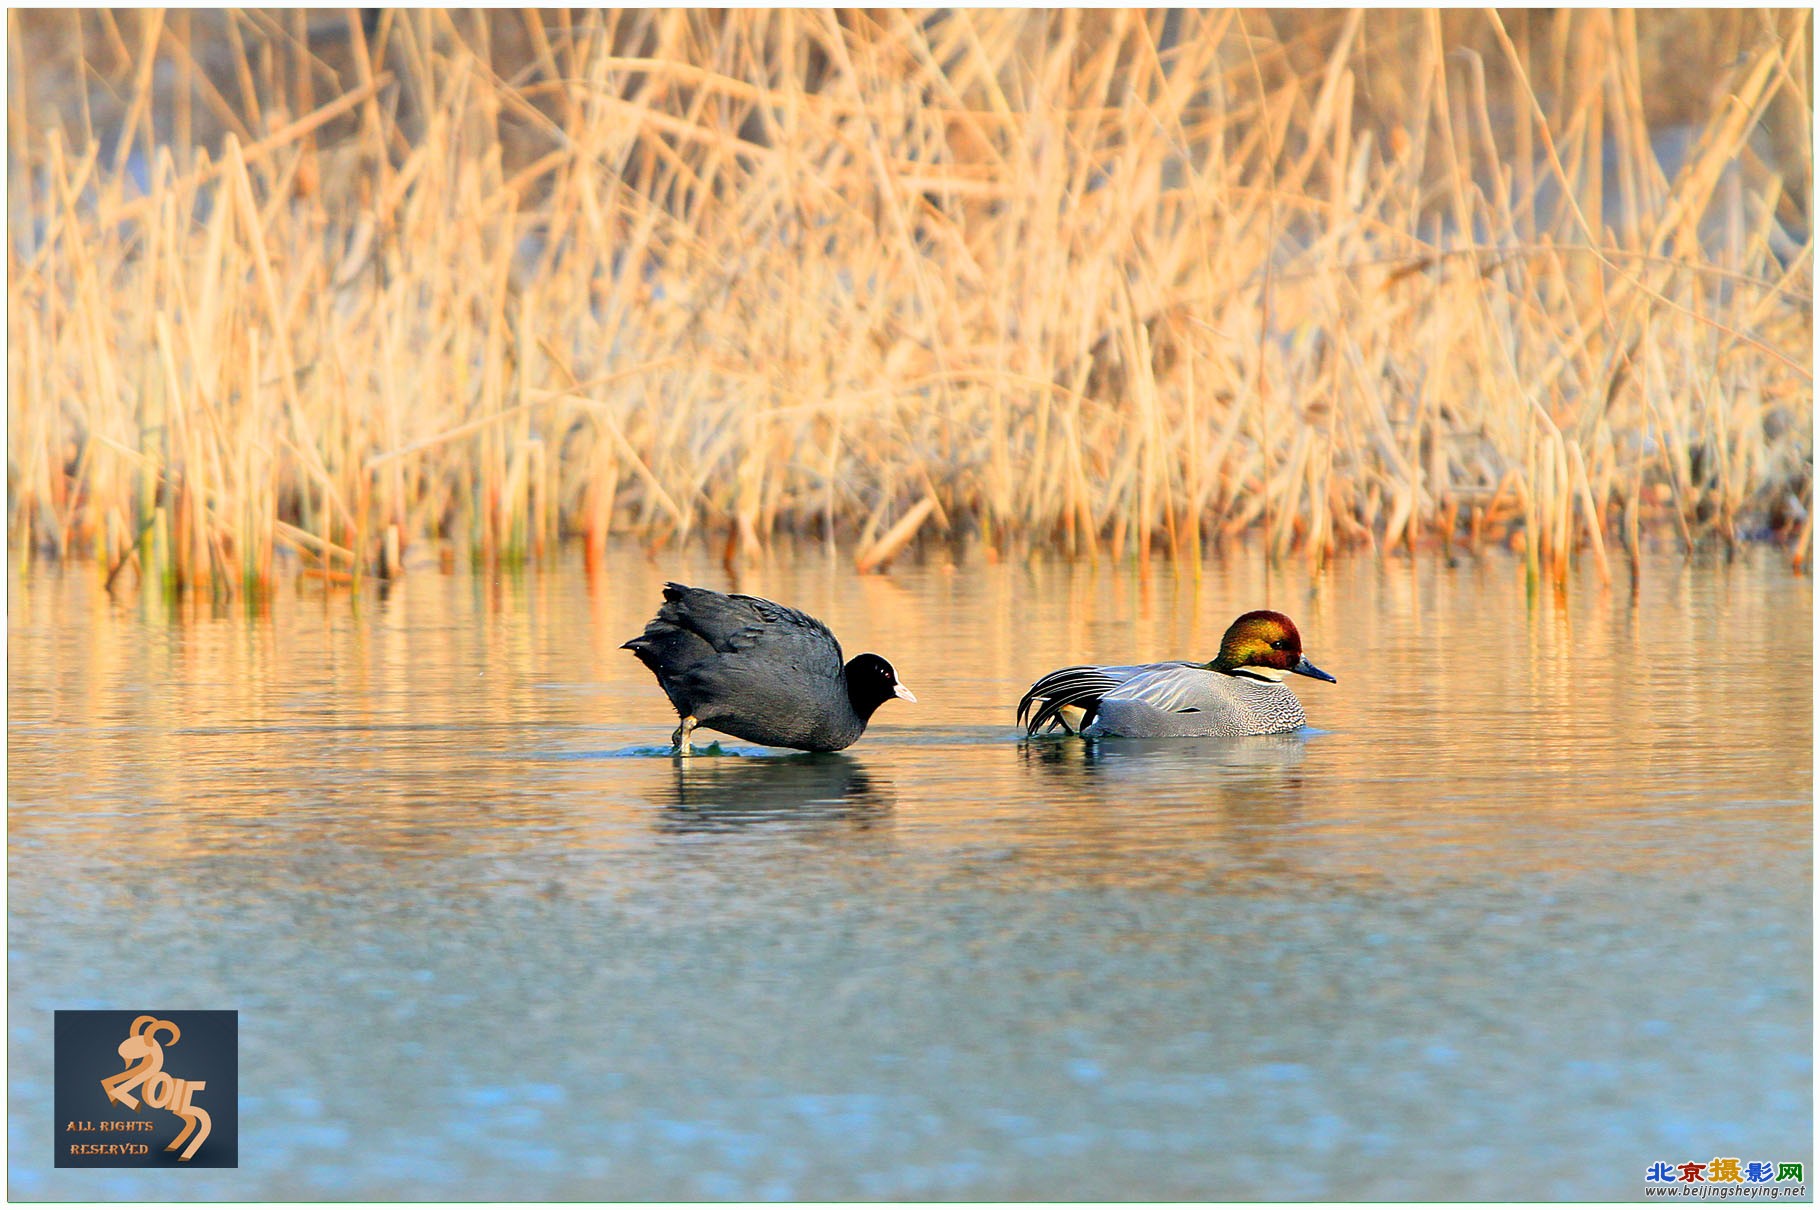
(1110, 283)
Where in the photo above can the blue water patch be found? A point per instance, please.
(487, 1097)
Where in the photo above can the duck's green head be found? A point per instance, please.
(1263, 645)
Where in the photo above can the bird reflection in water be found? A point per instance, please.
(1167, 758)
(1182, 810)
(718, 795)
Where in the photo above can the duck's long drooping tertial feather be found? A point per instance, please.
(1081, 687)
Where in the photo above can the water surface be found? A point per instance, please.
(1525, 911)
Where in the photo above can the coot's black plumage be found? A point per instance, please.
(760, 671)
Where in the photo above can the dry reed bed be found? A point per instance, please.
(1103, 282)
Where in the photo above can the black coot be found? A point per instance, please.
(760, 671)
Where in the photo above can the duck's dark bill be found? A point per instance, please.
(1307, 669)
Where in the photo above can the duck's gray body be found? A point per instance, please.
(1154, 700)
(750, 668)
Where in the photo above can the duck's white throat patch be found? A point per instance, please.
(1258, 673)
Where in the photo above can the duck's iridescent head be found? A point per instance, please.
(1263, 645)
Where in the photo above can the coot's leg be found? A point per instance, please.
(680, 738)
